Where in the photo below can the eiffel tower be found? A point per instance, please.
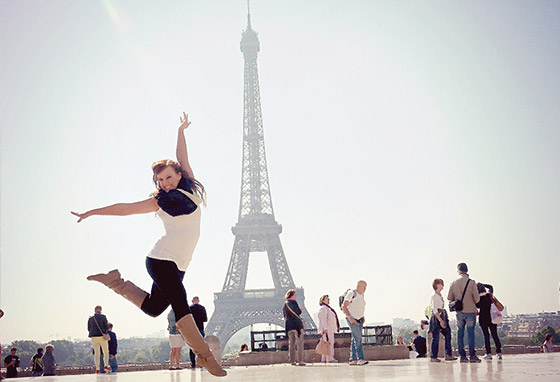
(256, 229)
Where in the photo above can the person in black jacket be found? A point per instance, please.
(199, 313)
(294, 328)
(113, 345)
(97, 326)
(485, 320)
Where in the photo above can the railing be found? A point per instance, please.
(277, 340)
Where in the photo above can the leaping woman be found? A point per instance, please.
(176, 201)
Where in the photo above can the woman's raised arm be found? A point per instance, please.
(121, 209)
(182, 154)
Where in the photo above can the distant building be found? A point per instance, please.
(404, 323)
(526, 325)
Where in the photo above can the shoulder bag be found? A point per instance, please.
(106, 336)
(457, 305)
(295, 314)
(498, 304)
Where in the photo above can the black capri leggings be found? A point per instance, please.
(167, 289)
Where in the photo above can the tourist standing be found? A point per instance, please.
(176, 201)
(97, 327)
(49, 361)
(113, 345)
(328, 326)
(11, 363)
(465, 289)
(485, 320)
(36, 363)
(176, 342)
(354, 307)
(294, 328)
(200, 317)
(439, 323)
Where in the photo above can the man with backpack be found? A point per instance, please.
(354, 306)
(463, 296)
(36, 364)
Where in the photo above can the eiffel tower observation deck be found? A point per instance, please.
(256, 230)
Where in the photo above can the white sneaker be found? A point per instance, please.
(362, 362)
(353, 362)
(488, 356)
(499, 355)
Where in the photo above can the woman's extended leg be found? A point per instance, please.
(127, 289)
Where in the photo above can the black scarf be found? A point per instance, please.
(174, 202)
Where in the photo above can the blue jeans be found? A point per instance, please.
(113, 364)
(356, 344)
(436, 329)
(468, 319)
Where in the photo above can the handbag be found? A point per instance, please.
(106, 336)
(498, 304)
(495, 314)
(457, 305)
(323, 347)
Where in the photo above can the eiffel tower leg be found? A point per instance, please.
(237, 272)
(278, 265)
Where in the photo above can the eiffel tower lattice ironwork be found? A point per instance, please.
(256, 229)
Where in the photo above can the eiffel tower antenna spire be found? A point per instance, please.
(248, 15)
(257, 232)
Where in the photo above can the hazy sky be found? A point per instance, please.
(402, 138)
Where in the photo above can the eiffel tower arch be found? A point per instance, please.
(256, 230)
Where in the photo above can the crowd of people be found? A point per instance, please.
(42, 363)
(466, 297)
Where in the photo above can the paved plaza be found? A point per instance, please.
(513, 368)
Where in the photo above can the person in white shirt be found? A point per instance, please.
(354, 307)
(439, 323)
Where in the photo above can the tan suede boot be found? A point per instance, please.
(127, 289)
(205, 358)
(106, 278)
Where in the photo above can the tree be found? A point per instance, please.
(142, 357)
(160, 353)
(64, 350)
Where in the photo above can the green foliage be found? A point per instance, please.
(142, 357)
(160, 353)
(538, 338)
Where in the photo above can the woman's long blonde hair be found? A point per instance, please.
(194, 185)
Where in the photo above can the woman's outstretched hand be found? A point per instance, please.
(184, 122)
(81, 216)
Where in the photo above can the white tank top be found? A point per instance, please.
(181, 235)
